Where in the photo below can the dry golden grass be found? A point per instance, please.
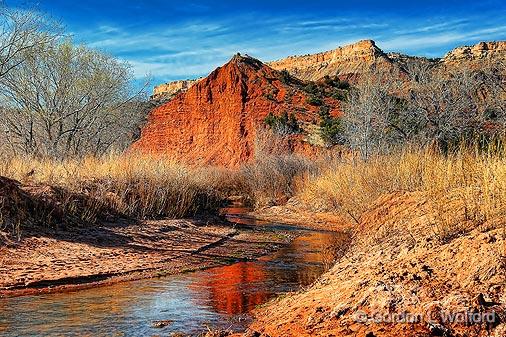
(467, 186)
(464, 187)
(133, 186)
(272, 179)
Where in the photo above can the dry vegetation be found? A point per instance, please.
(428, 231)
(464, 187)
(92, 189)
(273, 179)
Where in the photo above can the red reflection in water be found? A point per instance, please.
(226, 287)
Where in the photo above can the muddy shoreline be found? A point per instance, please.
(48, 261)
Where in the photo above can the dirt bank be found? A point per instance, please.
(298, 214)
(48, 260)
(404, 265)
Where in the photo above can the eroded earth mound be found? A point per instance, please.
(404, 276)
(217, 119)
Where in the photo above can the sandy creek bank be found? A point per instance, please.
(232, 279)
(45, 260)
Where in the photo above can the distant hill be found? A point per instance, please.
(350, 61)
(216, 120)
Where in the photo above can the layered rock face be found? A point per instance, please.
(216, 120)
(172, 88)
(346, 62)
(350, 61)
(479, 52)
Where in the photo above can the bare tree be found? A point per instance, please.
(456, 103)
(371, 120)
(493, 90)
(432, 103)
(68, 101)
(22, 32)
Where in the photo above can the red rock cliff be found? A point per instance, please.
(215, 121)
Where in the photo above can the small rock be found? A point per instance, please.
(427, 269)
(251, 333)
(481, 301)
(438, 330)
(490, 239)
(161, 324)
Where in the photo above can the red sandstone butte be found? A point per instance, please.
(216, 120)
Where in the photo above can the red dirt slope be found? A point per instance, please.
(215, 121)
(402, 266)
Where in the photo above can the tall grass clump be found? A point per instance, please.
(133, 186)
(272, 179)
(467, 185)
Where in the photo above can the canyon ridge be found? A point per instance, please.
(214, 120)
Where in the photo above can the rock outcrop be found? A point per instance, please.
(350, 61)
(216, 120)
(346, 62)
(168, 90)
(479, 52)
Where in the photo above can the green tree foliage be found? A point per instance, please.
(331, 127)
(285, 76)
(314, 100)
(335, 82)
(284, 124)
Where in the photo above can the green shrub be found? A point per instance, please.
(285, 76)
(339, 94)
(343, 85)
(312, 88)
(313, 100)
(331, 127)
(335, 82)
(284, 123)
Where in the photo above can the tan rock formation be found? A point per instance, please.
(347, 61)
(170, 89)
(481, 51)
(350, 61)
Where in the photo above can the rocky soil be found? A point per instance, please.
(296, 213)
(402, 265)
(48, 260)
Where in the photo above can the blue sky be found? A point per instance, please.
(171, 40)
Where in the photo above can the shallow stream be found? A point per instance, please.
(220, 297)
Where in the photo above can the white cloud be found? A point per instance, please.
(194, 48)
(420, 41)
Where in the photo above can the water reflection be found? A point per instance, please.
(235, 289)
(218, 297)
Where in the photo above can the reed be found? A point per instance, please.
(467, 185)
(132, 186)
